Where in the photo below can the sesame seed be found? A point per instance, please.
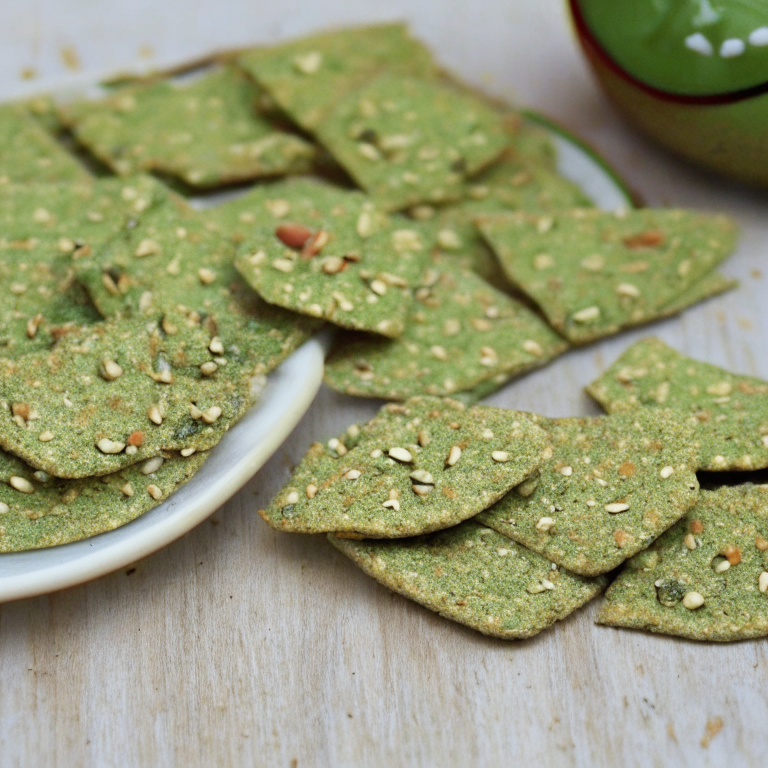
(127, 490)
(207, 276)
(544, 524)
(422, 490)
(448, 239)
(400, 454)
(283, 265)
(666, 472)
(308, 63)
(364, 225)
(332, 265)
(211, 414)
(376, 453)
(292, 497)
(215, 346)
(152, 465)
(566, 470)
(616, 507)
(591, 503)
(45, 437)
(131, 449)
(439, 352)
(209, 368)
(392, 504)
(547, 584)
(722, 566)
(4, 508)
(587, 314)
(147, 247)
(721, 389)
(110, 370)
(353, 474)
(762, 582)
(311, 491)
(500, 456)
(33, 324)
(345, 305)
(627, 289)
(422, 476)
(453, 456)
(154, 491)
(379, 287)
(21, 484)
(154, 415)
(185, 452)
(110, 446)
(690, 542)
(693, 600)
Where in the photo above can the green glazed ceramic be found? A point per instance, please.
(691, 73)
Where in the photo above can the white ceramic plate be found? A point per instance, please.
(247, 446)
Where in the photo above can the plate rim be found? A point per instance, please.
(112, 550)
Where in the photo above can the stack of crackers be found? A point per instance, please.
(371, 191)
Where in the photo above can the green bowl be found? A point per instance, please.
(693, 74)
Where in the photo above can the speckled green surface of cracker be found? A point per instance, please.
(417, 467)
(206, 133)
(704, 579)
(408, 141)
(593, 272)
(475, 576)
(711, 285)
(172, 261)
(610, 486)
(46, 228)
(728, 412)
(112, 394)
(29, 153)
(354, 268)
(511, 184)
(39, 511)
(306, 77)
(460, 331)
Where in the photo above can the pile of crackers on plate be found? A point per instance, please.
(369, 190)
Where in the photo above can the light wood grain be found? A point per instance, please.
(239, 646)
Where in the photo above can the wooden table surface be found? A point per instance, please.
(240, 646)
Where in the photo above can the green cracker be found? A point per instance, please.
(172, 261)
(460, 331)
(704, 579)
(29, 153)
(417, 467)
(477, 577)
(728, 412)
(593, 273)
(407, 141)
(711, 285)
(509, 185)
(50, 511)
(356, 276)
(45, 229)
(610, 486)
(113, 394)
(307, 77)
(206, 133)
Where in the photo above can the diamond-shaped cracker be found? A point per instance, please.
(593, 272)
(172, 261)
(29, 153)
(41, 511)
(206, 133)
(112, 394)
(306, 77)
(477, 577)
(407, 141)
(704, 579)
(460, 331)
(728, 412)
(609, 487)
(328, 254)
(417, 467)
(45, 229)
